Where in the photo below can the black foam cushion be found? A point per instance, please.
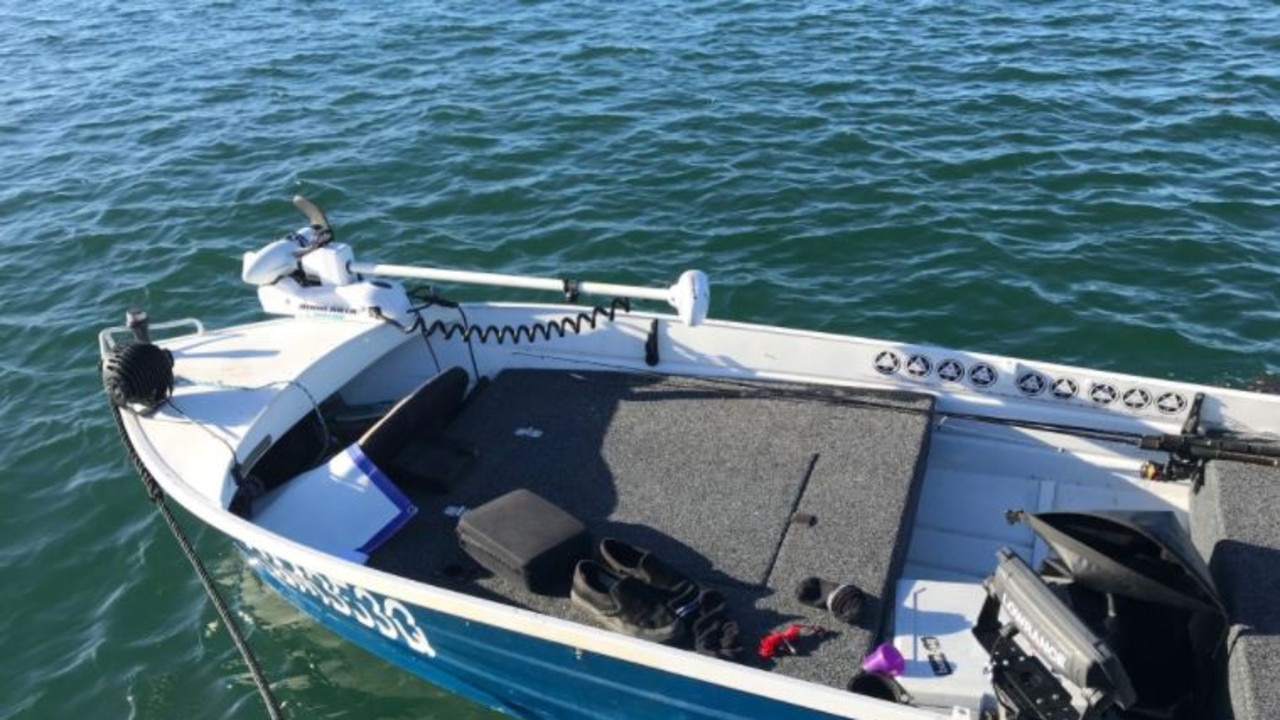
(525, 539)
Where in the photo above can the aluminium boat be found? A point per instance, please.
(1023, 539)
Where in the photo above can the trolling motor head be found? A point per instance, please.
(282, 258)
(307, 273)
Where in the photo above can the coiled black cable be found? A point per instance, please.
(427, 297)
(570, 324)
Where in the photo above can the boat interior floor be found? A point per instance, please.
(748, 487)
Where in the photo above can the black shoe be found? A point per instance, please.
(624, 604)
(882, 687)
(680, 593)
(844, 601)
(714, 633)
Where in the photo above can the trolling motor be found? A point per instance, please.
(307, 273)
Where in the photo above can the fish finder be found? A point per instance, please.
(1041, 644)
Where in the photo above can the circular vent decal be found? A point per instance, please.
(1102, 393)
(888, 362)
(1064, 388)
(951, 370)
(919, 366)
(1171, 403)
(1136, 398)
(983, 375)
(1031, 383)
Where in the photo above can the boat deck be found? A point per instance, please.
(715, 477)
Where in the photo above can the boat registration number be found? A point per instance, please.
(387, 615)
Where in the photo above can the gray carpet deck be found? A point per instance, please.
(705, 474)
(1233, 523)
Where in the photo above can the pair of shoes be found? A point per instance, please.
(633, 592)
(624, 604)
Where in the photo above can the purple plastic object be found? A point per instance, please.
(885, 660)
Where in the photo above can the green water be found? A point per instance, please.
(1095, 184)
